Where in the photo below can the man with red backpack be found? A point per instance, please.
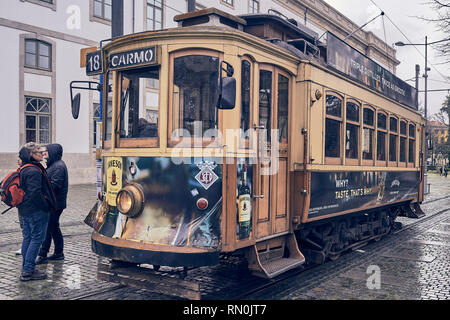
(35, 208)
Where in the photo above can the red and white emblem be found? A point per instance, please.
(206, 177)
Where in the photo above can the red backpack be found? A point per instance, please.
(10, 190)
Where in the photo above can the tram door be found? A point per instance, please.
(272, 169)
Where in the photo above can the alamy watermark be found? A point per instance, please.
(192, 148)
(72, 276)
(73, 22)
(374, 280)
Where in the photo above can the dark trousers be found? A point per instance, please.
(53, 232)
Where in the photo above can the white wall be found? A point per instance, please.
(38, 15)
(9, 90)
(73, 134)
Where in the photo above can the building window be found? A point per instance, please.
(154, 14)
(352, 131)
(38, 54)
(254, 6)
(368, 132)
(45, 3)
(103, 9)
(228, 2)
(381, 137)
(333, 126)
(37, 119)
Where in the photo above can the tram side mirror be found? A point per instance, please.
(75, 100)
(76, 106)
(227, 88)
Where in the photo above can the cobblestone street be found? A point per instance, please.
(413, 263)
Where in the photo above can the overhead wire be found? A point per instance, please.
(404, 35)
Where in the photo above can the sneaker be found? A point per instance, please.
(35, 275)
(56, 256)
(19, 252)
(41, 260)
(25, 276)
(38, 275)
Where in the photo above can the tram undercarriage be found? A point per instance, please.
(330, 239)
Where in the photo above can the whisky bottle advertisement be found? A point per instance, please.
(244, 207)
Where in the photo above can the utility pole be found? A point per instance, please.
(117, 18)
(425, 175)
(191, 5)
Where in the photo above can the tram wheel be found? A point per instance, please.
(334, 257)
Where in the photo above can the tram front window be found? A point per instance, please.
(139, 104)
(195, 93)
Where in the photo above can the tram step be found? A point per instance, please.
(272, 260)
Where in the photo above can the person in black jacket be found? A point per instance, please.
(59, 179)
(34, 209)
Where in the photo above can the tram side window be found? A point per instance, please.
(138, 118)
(283, 108)
(367, 143)
(381, 137)
(411, 142)
(403, 141)
(265, 101)
(352, 131)
(393, 126)
(195, 93)
(245, 91)
(333, 126)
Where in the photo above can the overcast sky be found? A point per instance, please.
(404, 15)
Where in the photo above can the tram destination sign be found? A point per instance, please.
(357, 66)
(133, 58)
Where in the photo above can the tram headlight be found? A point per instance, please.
(130, 200)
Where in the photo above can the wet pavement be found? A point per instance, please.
(413, 263)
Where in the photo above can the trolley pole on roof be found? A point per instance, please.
(426, 117)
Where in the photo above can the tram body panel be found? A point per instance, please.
(170, 215)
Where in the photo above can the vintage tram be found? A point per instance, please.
(248, 135)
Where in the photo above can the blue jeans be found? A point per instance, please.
(34, 227)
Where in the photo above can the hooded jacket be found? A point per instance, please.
(57, 173)
(34, 183)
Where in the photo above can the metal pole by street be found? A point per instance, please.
(425, 175)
